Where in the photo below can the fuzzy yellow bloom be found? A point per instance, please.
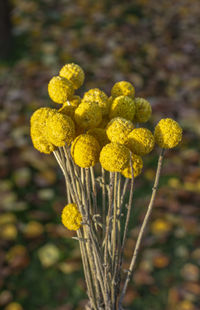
(100, 135)
(75, 101)
(60, 129)
(85, 151)
(114, 157)
(118, 129)
(142, 110)
(123, 106)
(137, 167)
(98, 96)
(38, 130)
(88, 115)
(71, 217)
(123, 88)
(40, 143)
(67, 110)
(141, 141)
(60, 89)
(73, 73)
(168, 133)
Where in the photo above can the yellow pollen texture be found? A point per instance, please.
(73, 73)
(114, 157)
(140, 141)
(60, 129)
(71, 217)
(137, 167)
(118, 129)
(60, 89)
(142, 110)
(85, 151)
(123, 88)
(99, 97)
(88, 115)
(38, 130)
(123, 106)
(168, 133)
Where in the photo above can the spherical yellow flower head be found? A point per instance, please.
(60, 129)
(142, 110)
(75, 101)
(123, 88)
(118, 129)
(88, 115)
(38, 130)
(114, 157)
(74, 73)
(168, 133)
(140, 141)
(123, 106)
(71, 217)
(67, 110)
(137, 167)
(98, 96)
(60, 89)
(85, 151)
(100, 135)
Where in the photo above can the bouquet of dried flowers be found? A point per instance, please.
(105, 132)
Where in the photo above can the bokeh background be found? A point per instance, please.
(153, 44)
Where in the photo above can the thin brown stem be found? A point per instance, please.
(144, 224)
(94, 190)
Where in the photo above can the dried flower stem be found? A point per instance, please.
(144, 224)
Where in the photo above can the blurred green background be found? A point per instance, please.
(153, 44)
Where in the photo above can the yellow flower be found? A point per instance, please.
(123, 106)
(73, 73)
(142, 110)
(100, 135)
(118, 129)
(68, 110)
(137, 167)
(60, 129)
(88, 115)
(40, 143)
(71, 217)
(123, 88)
(140, 141)
(168, 133)
(96, 95)
(38, 130)
(114, 157)
(60, 89)
(75, 101)
(85, 151)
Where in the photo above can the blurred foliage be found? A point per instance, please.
(156, 47)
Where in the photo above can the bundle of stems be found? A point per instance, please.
(104, 205)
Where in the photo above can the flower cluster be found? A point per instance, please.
(99, 127)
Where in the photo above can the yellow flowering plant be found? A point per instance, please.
(104, 131)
